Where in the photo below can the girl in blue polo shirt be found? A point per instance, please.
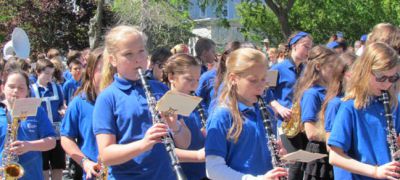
(358, 139)
(334, 93)
(181, 73)
(128, 141)
(310, 94)
(77, 136)
(298, 46)
(236, 143)
(35, 133)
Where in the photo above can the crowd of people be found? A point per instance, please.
(95, 108)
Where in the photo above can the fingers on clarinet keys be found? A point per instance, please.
(276, 173)
(154, 134)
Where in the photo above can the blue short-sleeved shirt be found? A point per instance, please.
(33, 128)
(330, 112)
(69, 89)
(55, 104)
(122, 110)
(194, 171)
(32, 78)
(67, 75)
(361, 133)
(287, 77)
(205, 88)
(77, 124)
(250, 154)
(311, 103)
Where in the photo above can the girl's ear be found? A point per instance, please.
(171, 78)
(232, 78)
(113, 60)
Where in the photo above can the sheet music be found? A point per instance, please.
(175, 102)
(25, 107)
(303, 156)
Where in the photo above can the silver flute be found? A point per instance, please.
(391, 131)
(167, 140)
(272, 144)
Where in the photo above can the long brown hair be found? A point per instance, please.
(337, 85)
(387, 33)
(238, 62)
(88, 86)
(377, 57)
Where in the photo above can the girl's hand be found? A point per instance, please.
(153, 135)
(388, 171)
(20, 147)
(171, 119)
(284, 112)
(90, 168)
(276, 173)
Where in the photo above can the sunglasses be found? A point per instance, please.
(392, 79)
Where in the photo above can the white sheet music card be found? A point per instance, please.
(179, 103)
(303, 156)
(272, 76)
(25, 107)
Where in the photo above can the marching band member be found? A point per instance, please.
(358, 139)
(127, 140)
(236, 145)
(77, 123)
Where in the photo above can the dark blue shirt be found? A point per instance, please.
(194, 171)
(122, 110)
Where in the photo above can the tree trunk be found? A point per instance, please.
(281, 11)
(96, 26)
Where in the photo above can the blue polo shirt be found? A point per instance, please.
(67, 75)
(250, 154)
(32, 78)
(69, 89)
(49, 92)
(361, 133)
(194, 171)
(77, 124)
(33, 128)
(311, 103)
(205, 89)
(330, 112)
(122, 110)
(287, 77)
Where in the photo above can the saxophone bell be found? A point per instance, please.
(13, 171)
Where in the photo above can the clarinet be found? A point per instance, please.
(272, 144)
(167, 140)
(201, 113)
(391, 131)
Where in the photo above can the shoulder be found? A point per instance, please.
(158, 86)
(220, 114)
(280, 66)
(209, 74)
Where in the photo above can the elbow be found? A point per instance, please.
(332, 159)
(50, 143)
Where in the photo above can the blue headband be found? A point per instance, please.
(297, 37)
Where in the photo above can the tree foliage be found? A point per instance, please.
(165, 23)
(320, 18)
(50, 23)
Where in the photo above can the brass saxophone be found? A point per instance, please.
(10, 167)
(102, 169)
(293, 126)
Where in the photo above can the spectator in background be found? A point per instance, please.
(157, 61)
(180, 48)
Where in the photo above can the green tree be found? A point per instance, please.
(165, 23)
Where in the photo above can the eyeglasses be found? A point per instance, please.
(392, 79)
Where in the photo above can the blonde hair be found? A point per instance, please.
(387, 33)
(112, 38)
(377, 57)
(238, 62)
(180, 48)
